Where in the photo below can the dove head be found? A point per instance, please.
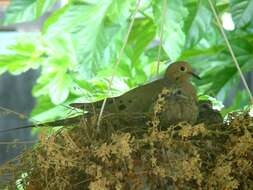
(180, 71)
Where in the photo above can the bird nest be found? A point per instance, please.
(132, 152)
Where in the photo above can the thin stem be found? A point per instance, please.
(161, 35)
(118, 61)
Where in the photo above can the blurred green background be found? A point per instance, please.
(74, 45)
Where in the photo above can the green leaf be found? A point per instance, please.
(22, 57)
(141, 36)
(91, 27)
(219, 73)
(198, 23)
(174, 36)
(43, 6)
(59, 88)
(143, 32)
(54, 80)
(17, 64)
(61, 51)
(239, 101)
(242, 12)
(26, 10)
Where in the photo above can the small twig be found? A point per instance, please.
(118, 61)
(231, 50)
(161, 35)
(20, 115)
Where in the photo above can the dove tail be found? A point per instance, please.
(62, 122)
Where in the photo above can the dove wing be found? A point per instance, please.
(138, 99)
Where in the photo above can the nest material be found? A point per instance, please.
(131, 152)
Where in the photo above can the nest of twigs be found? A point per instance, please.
(132, 152)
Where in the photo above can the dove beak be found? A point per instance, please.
(195, 75)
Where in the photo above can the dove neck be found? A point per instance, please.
(176, 80)
(185, 85)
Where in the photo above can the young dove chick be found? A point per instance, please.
(141, 98)
(207, 114)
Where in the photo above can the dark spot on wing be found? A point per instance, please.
(110, 101)
(122, 107)
(130, 101)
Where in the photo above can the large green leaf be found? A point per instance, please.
(141, 36)
(198, 23)
(242, 12)
(219, 74)
(132, 66)
(55, 79)
(26, 10)
(91, 27)
(174, 36)
(240, 100)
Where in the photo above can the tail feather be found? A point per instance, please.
(62, 122)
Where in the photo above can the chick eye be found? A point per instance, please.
(178, 92)
(182, 68)
(205, 105)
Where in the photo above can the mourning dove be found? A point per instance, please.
(207, 114)
(141, 98)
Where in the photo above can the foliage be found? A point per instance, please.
(80, 42)
(26, 10)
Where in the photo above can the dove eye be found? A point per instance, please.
(182, 68)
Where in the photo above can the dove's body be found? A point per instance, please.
(141, 99)
(138, 99)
